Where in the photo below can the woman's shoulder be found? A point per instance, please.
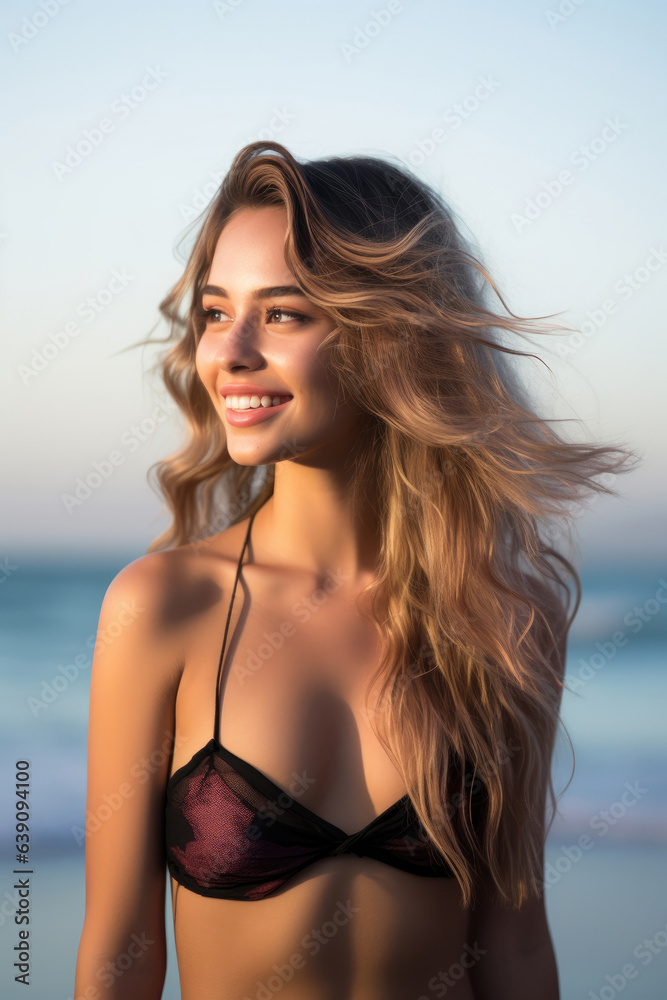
(139, 620)
(165, 572)
(148, 579)
(169, 588)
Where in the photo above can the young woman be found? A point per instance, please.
(339, 693)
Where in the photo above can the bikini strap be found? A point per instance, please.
(216, 728)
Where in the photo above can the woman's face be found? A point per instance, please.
(261, 340)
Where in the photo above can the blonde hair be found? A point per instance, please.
(471, 484)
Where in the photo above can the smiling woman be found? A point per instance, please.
(370, 762)
(240, 322)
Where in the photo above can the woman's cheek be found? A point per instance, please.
(205, 365)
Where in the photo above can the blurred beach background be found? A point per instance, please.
(490, 104)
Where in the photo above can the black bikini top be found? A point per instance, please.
(233, 833)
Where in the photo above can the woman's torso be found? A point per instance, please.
(297, 663)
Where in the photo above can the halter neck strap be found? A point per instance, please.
(216, 727)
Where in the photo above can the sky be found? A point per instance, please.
(540, 123)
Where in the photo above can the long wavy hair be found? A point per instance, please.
(472, 489)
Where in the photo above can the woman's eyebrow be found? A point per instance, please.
(259, 293)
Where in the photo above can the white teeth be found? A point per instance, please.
(253, 402)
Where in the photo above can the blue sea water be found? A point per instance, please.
(606, 857)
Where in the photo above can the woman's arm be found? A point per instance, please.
(136, 668)
(518, 960)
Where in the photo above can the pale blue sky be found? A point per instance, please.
(218, 78)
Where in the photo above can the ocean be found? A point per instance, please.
(606, 857)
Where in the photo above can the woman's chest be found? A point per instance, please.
(294, 698)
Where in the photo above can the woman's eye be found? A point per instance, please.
(286, 313)
(209, 314)
(215, 316)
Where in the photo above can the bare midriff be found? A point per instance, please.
(348, 928)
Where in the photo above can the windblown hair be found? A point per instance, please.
(471, 485)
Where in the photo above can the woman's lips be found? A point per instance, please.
(246, 418)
